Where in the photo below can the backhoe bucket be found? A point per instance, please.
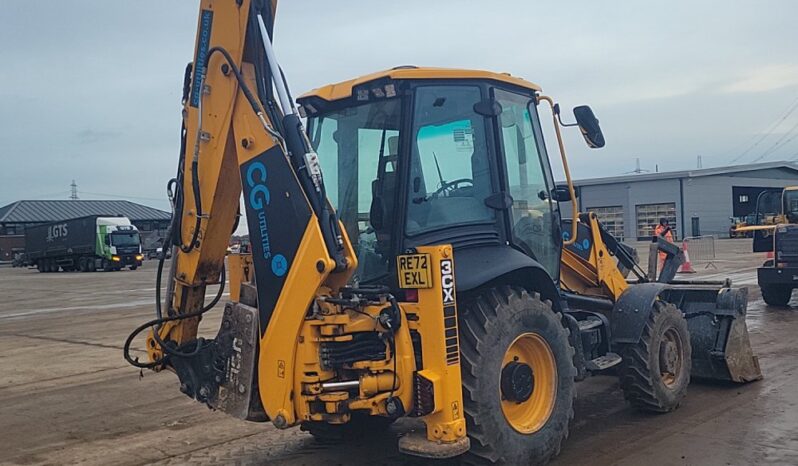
(718, 333)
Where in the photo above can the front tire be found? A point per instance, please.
(776, 295)
(655, 371)
(518, 377)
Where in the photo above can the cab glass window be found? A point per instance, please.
(450, 175)
(358, 152)
(533, 212)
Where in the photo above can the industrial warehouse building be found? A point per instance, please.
(15, 217)
(696, 202)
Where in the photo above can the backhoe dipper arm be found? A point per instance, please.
(238, 139)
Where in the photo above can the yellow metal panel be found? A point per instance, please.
(343, 89)
(217, 169)
(441, 355)
(220, 184)
(278, 345)
(598, 276)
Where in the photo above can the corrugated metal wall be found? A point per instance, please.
(707, 197)
(710, 197)
(629, 195)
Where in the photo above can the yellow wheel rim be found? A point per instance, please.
(670, 357)
(528, 412)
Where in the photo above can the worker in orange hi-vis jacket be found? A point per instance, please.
(663, 230)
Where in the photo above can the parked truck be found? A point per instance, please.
(86, 244)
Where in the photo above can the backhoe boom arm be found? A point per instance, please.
(238, 139)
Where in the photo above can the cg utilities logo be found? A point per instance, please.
(260, 197)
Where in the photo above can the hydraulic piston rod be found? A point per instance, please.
(335, 386)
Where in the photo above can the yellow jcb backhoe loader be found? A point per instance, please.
(418, 276)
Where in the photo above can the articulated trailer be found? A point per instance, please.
(86, 244)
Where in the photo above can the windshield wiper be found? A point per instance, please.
(438, 167)
(426, 198)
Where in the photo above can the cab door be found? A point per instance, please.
(534, 221)
(452, 170)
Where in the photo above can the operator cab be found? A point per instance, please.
(790, 204)
(418, 156)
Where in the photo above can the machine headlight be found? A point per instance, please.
(139, 257)
(115, 258)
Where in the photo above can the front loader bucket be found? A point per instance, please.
(718, 333)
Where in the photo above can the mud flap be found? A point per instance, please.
(719, 337)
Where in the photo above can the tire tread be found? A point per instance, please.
(637, 380)
(476, 318)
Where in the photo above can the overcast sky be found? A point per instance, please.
(90, 90)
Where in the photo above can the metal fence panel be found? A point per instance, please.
(701, 249)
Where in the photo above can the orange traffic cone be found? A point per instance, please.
(687, 266)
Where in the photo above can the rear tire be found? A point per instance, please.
(91, 264)
(40, 267)
(82, 264)
(655, 371)
(509, 422)
(360, 425)
(776, 295)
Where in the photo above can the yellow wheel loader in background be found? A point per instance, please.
(776, 233)
(424, 274)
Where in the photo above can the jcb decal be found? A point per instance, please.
(449, 313)
(447, 281)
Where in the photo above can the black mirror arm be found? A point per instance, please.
(559, 117)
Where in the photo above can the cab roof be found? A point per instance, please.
(343, 90)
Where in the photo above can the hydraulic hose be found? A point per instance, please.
(159, 320)
(195, 184)
(175, 227)
(156, 323)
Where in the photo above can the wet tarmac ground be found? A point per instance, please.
(67, 397)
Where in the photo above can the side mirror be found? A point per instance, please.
(561, 194)
(589, 125)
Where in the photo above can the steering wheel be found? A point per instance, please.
(449, 186)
